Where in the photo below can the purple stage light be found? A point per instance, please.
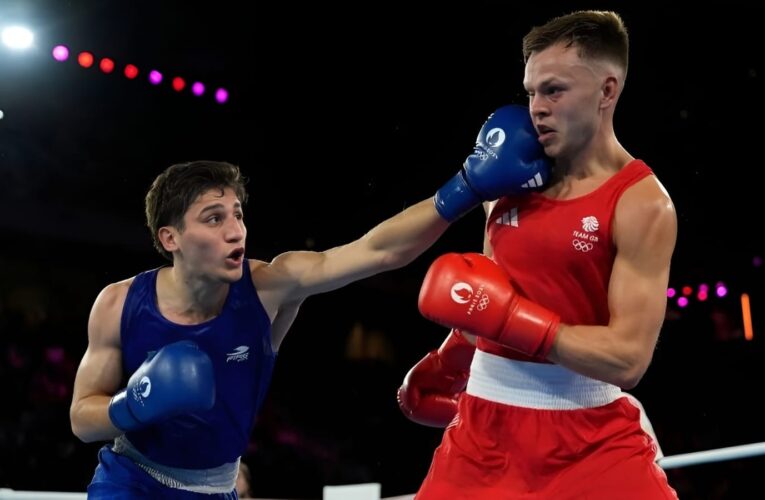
(60, 53)
(221, 95)
(155, 77)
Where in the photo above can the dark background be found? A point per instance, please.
(343, 115)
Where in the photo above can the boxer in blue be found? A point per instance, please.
(197, 341)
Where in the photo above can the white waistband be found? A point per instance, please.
(220, 479)
(535, 385)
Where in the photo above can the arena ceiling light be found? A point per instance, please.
(18, 37)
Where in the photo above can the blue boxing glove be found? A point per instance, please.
(507, 159)
(178, 379)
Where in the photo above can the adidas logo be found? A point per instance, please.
(508, 218)
(534, 182)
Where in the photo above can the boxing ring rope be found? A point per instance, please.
(669, 462)
(716, 455)
(39, 495)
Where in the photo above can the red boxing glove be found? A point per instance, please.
(469, 291)
(432, 387)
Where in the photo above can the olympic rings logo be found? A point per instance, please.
(582, 246)
(483, 303)
(482, 154)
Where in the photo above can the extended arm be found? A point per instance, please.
(507, 158)
(391, 244)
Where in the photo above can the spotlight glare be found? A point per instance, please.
(671, 292)
(18, 37)
(682, 301)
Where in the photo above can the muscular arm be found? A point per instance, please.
(391, 244)
(293, 276)
(99, 375)
(645, 230)
(282, 323)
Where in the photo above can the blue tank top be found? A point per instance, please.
(238, 342)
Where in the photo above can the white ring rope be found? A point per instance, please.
(6, 494)
(716, 455)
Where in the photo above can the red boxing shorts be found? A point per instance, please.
(573, 438)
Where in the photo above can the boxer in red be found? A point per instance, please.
(567, 302)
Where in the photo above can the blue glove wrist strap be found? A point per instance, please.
(455, 198)
(120, 414)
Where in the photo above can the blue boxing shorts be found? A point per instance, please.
(117, 477)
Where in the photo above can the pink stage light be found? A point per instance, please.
(221, 95)
(155, 77)
(60, 53)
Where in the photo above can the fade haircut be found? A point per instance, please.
(597, 34)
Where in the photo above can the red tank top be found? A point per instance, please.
(559, 253)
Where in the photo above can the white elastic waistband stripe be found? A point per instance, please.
(221, 479)
(535, 385)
